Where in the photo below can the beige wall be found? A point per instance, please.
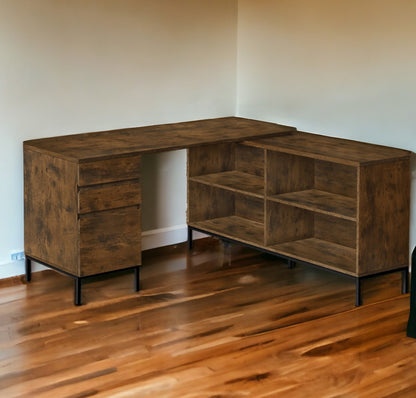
(337, 67)
(69, 66)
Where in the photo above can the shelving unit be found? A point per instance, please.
(330, 202)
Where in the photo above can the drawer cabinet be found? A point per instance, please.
(83, 218)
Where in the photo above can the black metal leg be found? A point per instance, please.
(405, 281)
(227, 252)
(358, 298)
(291, 264)
(28, 269)
(77, 291)
(190, 240)
(137, 279)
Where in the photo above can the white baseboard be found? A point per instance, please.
(167, 236)
(150, 240)
(16, 268)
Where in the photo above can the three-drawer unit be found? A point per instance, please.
(84, 217)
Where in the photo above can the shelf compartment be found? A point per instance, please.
(320, 201)
(286, 225)
(235, 181)
(232, 166)
(227, 213)
(296, 173)
(234, 227)
(320, 252)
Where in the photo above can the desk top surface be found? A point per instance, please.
(165, 137)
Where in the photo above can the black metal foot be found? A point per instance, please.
(227, 252)
(190, 239)
(291, 264)
(358, 297)
(28, 269)
(77, 291)
(405, 281)
(137, 279)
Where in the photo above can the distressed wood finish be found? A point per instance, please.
(109, 240)
(336, 203)
(83, 194)
(234, 181)
(109, 196)
(248, 328)
(321, 201)
(165, 137)
(330, 149)
(384, 216)
(109, 170)
(50, 209)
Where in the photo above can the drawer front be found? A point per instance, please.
(109, 240)
(108, 196)
(109, 170)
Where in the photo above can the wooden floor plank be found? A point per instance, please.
(207, 323)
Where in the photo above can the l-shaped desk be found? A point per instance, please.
(334, 203)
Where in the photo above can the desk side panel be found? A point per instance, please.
(50, 210)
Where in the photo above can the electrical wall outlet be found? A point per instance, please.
(17, 256)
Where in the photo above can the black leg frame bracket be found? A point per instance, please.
(79, 279)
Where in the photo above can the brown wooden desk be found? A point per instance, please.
(83, 191)
(334, 203)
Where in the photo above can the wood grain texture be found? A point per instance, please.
(336, 178)
(210, 159)
(384, 216)
(200, 328)
(235, 181)
(50, 210)
(109, 196)
(249, 207)
(207, 202)
(249, 160)
(109, 240)
(165, 137)
(288, 173)
(245, 230)
(335, 230)
(320, 252)
(286, 223)
(330, 149)
(109, 170)
(321, 201)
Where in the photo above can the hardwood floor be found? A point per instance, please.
(206, 324)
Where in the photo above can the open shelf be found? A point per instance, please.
(234, 227)
(234, 180)
(320, 201)
(320, 252)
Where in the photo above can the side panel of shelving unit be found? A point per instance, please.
(383, 229)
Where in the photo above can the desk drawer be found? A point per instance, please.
(109, 170)
(108, 196)
(109, 240)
